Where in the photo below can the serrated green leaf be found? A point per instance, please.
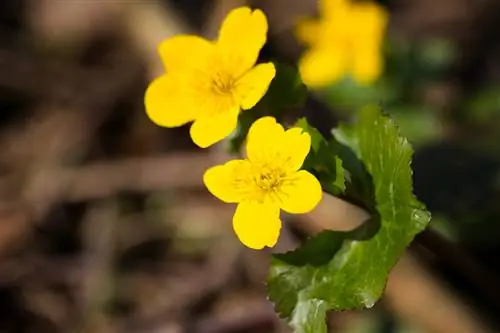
(323, 161)
(316, 138)
(303, 284)
(419, 123)
(245, 120)
(285, 91)
(339, 181)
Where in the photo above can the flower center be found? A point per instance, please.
(222, 84)
(269, 179)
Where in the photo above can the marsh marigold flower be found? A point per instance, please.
(210, 82)
(267, 180)
(346, 39)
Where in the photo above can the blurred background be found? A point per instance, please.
(105, 225)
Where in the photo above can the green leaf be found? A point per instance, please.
(347, 94)
(317, 140)
(348, 270)
(286, 91)
(323, 161)
(337, 185)
(419, 123)
(245, 120)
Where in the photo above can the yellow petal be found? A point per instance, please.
(367, 66)
(254, 84)
(300, 193)
(242, 35)
(181, 52)
(329, 8)
(308, 31)
(268, 143)
(294, 148)
(257, 225)
(369, 21)
(369, 24)
(166, 103)
(262, 137)
(210, 129)
(321, 67)
(226, 181)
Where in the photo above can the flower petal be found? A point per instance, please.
(254, 84)
(166, 104)
(243, 33)
(225, 181)
(262, 139)
(308, 30)
(300, 193)
(181, 52)
(268, 143)
(367, 66)
(322, 66)
(257, 225)
(369, 24)
(294, 148)
(331, 8)
(369, 21)
(208, 130)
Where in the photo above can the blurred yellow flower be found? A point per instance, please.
(347, 39)
(267, 180)
(210, 82)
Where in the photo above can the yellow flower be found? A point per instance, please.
(210, 82)
(267, 180)
(346, 40)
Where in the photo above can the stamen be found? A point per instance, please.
(222, 83)
(268, 182)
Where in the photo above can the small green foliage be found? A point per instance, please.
(285, 92)
(286, 89)
(348, 270)
(323, 161)
(347, 94)
(245, 120)
(419, 123)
